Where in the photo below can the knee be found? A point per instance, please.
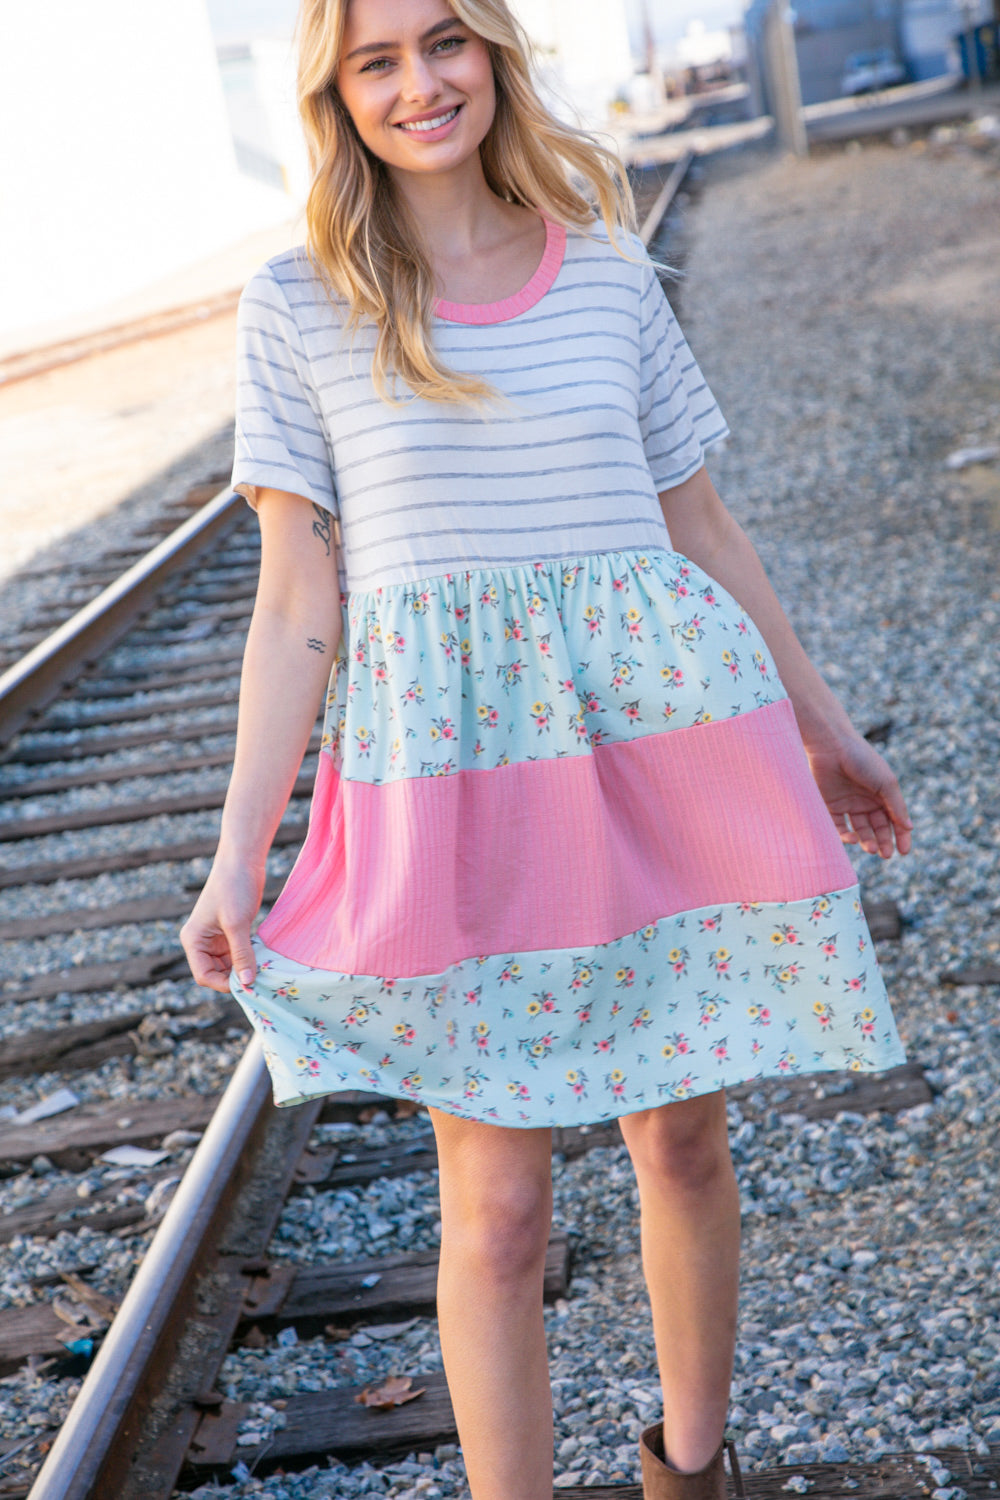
(502, 1227)
(683, 1147)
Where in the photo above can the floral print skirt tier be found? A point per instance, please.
(565, 860)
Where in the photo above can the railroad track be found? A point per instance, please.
(144, 1213)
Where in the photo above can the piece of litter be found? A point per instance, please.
(52, 1104)
(390, 1330)
(133, 1156)
(395, 1390)
(286, 1337)
(371, 1280)
(963, 458)
(240, 1472)
(156, 1202)
(798, 1484)
(79, 1346)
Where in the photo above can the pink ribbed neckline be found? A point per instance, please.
(510, 307)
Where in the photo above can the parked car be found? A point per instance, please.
(865, 71)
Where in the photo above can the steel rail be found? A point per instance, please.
(665, 198)
(32, 683)
(77, 1463)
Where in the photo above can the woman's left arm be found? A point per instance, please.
(859, 789)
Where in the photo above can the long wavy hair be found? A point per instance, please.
(362, 243)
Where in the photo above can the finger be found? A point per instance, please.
(244, 965)
(843, 827)
(210, 971)
(875, 834)
(206, 956)
(902, 823)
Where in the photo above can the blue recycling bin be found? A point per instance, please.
(979, 48)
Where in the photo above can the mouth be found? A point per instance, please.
(436, 122)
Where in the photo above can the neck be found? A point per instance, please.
(452, 211)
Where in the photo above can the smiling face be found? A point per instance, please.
(417, 82)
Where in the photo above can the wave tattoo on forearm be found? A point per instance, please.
(316, 645)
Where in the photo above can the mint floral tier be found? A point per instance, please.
(565, 857)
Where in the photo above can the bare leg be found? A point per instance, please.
(496, 1211)
(690, 1252)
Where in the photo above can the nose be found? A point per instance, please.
(419, 82)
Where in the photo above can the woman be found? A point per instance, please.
(554, 738)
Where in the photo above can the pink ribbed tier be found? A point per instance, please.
(510, 307)
(411, 877)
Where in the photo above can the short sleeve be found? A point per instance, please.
(281, 441)
(678, 414)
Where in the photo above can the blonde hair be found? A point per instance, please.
(360, 240)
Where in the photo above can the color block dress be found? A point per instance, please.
(565, 857)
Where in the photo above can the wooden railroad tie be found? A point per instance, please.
(332, 1423)
(273, 1295)
(73, 1138)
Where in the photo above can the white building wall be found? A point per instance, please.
(116, 159)
(586, 52)
(275, 68)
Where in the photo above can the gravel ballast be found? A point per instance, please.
(840, 309)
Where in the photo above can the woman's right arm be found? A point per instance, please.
(291, 644)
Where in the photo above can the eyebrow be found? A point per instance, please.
(371, 47)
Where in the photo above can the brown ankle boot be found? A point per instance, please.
(661, 1482)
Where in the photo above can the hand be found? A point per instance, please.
(216, 936)
(862, 795)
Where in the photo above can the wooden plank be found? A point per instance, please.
(149, 968)
(90, 918)
(121, 684)
(208, 593)
(42, 1050)
(115, 813)
(310, 1297)
(46, 872)
(986, 973)
(895, 1477)
(196, 664)
(327, 1422)
(197, 629)
(109, 744)
(65, 1209)
(821, 1095)
(885, 920)
(162, 765)
(329, 1168)
(70, 719)
(91, 1128)
(354, 1433)
(86, 1044)
(812, 1095)
(26, 1331)
(47, 786)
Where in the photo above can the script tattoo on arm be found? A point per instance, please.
(316, 645)
(322, 527)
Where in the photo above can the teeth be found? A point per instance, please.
(431, 124)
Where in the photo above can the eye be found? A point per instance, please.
(377, 65)
(449, 43)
